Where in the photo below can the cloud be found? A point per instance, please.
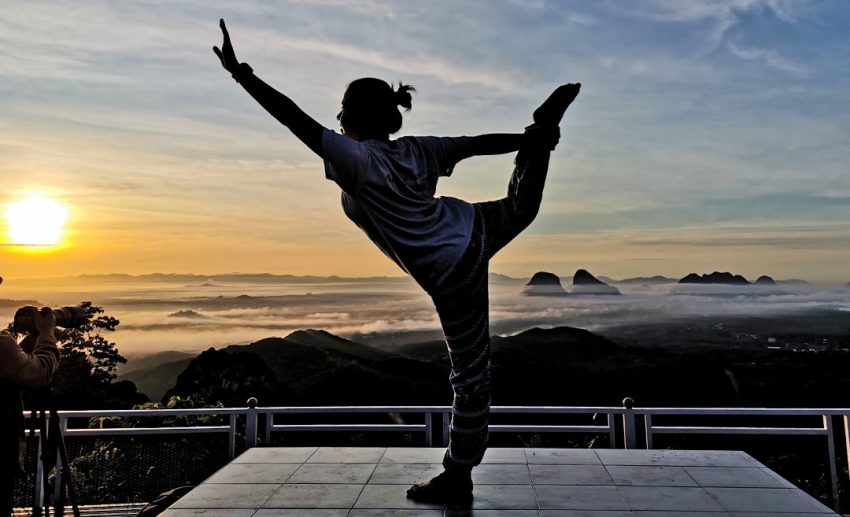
(770, 58)
(444, 70)
(724, 19)
(721, 15)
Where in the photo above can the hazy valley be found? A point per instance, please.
(190, 313)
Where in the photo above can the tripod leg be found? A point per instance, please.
(58, 476)
(48, 458)
(37, 487)
(67, 481)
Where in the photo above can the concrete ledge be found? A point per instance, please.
(369, 481)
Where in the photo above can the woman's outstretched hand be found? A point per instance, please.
(226, 54)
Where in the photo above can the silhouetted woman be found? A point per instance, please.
(444, 243)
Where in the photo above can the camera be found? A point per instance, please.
(69, 317)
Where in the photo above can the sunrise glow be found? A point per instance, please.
(36, 221)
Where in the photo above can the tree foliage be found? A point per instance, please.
(89, 366)
(229, 378)
(88, 342)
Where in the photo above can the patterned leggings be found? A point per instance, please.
(463, 307)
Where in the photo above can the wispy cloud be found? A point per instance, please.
(443, 70)
(770, 58)
(721, 16)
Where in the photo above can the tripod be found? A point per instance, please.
(50, 445)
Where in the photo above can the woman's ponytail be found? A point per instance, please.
(402, 95)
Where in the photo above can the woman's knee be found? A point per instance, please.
(525, 212)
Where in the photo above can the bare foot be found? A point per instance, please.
(552, 110)
(445, 488)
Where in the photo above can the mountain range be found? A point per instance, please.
(314, 367)
(219, 280)
(726, 278)
(558, 366)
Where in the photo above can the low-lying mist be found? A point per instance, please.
(159, 316)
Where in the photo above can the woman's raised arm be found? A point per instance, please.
(501, 143)
(281, 107)
(493, 143)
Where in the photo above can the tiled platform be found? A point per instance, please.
(339, 482)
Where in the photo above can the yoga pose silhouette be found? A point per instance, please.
(444, 243)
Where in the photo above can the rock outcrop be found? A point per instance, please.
(765, 280)
(715, 278)
(544, 284)
(585, 283)
(188, 314)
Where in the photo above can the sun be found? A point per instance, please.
(36, 220)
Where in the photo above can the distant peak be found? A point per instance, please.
(308, 333)
(544, 283)
(583, 276)
(585, 283)
(544, 278)
(715, 278)
(765, 280)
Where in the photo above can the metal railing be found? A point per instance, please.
(430, 429)
(826, 428)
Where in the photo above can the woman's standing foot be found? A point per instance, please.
(451, 487)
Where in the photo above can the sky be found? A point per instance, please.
(709, 135)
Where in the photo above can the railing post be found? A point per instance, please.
(833, 471)
(446, 424)
(429, 430)
(231, 437)
(269, 426)
(612, 430)
(629, 424)
(251, 424)
(647, 426)
(847, 439)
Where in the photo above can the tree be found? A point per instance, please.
(89, 365)
(88, 342)
(229, 378)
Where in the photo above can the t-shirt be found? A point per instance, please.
(388, 191)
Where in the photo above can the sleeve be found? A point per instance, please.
(33, 370)
(448, 150)
(345, 160)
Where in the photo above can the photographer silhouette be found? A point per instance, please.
(26, 366)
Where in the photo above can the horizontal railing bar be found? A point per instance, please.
(151, 413)
(739, 430)
(352, 409)
(420, 427)
(116, 431)
(556, 409)
(741, 411)
(350, 427)
(102, 509)
(437, 409)
(550, 428)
